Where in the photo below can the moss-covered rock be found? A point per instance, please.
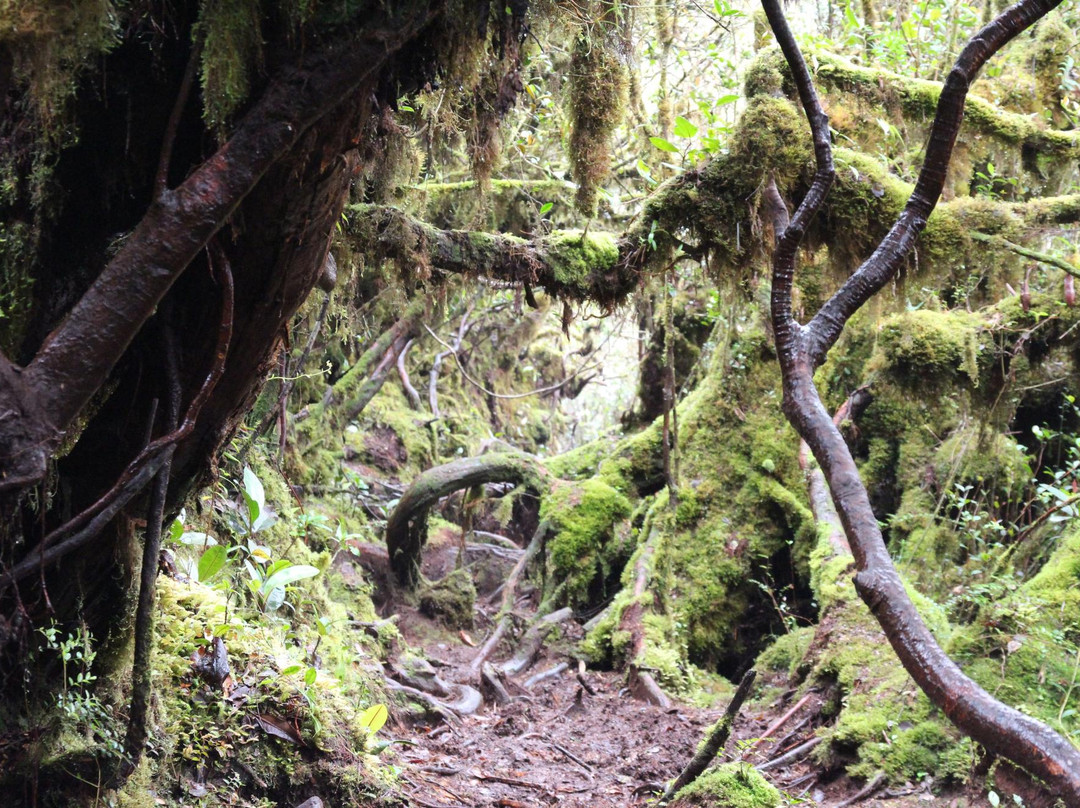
(449, 600)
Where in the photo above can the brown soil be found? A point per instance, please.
(555, 744)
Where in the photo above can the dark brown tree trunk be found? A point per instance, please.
(1000, 729)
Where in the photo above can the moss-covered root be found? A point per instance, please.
(732, 785)
(642, 683)
(359, 385)
(406, 530)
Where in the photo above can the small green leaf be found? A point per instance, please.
(662, 144)
(288, 575)
(211, 562)
(310, 675)
(683, 127)
(724, 100)
(289, 671)
(176, 529)
(546, 207)
(254, 495)
(374, 717)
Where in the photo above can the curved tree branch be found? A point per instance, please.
(1000, 729)
(406, 530)
(882, 265)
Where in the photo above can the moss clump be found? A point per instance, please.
(576, 257)
(599, 92)
(584, 517)
(450, 600)
(787, 652)
(732, 785)
(763, 77)
(1025, 647)
(985, 460)
(772, 135)
(931, 346)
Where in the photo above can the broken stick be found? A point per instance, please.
(714, 741)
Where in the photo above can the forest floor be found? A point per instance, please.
(557, 744)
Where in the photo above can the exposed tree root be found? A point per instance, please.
(533, 641)
(508, 594)
(642, 684)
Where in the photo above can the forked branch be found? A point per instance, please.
(999, 728)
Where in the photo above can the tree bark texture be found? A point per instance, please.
(1000, 729)
(265, 202)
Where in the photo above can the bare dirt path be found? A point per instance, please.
(555, 743)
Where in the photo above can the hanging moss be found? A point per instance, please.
(231, 57)
(51, 44)
(599, 92)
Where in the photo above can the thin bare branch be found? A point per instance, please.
(881, 267)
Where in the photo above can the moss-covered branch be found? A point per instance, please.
(569, 265)
(918, 98)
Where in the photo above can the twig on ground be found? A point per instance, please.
(581, 678)
(573, 757)
(791, 756)
(877, 782)
(775, 726)
(551, 673)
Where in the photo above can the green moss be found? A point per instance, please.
(927, 347)
(732, 785)
(772, 136)
(763, 75)
(231, 55)
(449, 600)
(1025, 648)
(17, 247)
(599, 92)
(984, 459)
(584, 517)
(575, 256)
(786, 652)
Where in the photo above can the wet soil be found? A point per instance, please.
(557, 744)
